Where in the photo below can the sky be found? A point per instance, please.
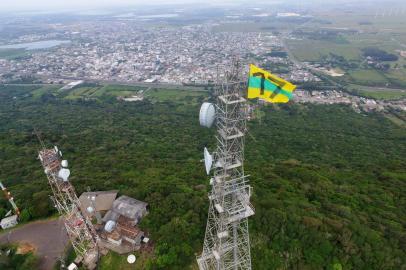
(20, 5)
(54, 5)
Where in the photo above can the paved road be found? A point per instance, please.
(48, 237)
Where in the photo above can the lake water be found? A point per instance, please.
(44, 44)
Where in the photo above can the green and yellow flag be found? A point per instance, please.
(264, 85)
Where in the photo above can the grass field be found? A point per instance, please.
(378, 93)
(191, 94)
(44, 89)
(397, 76)
(119, 90)
(315, 50)
(174, 94)
(82, 92)
(114, 261)
(12, 53)
(367, 77)
(361, 29)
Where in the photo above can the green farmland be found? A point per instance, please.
(10, 54)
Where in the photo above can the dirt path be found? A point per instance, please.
(48, 238)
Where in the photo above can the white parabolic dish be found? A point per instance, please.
(64, 174)
(207, 114)
(131, 259)
(64, 163)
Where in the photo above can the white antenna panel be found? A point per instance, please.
(207, 114)
(60, 153)
(64, 174)
(208, 160)
(64, 163)
(9, 213)
(56, 149)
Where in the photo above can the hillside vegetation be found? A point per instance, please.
(329, 184)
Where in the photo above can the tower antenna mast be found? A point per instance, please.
(80, 229)
(10, 199)
(226, 243)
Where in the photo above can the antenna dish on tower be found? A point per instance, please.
(131, 259)
(64, 174)
(64, 163)
(207, 114)
(208, 160)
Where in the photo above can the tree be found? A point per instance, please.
(25, 215)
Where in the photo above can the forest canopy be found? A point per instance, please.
(328, 183)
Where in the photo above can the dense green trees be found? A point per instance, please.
(11, 260)
(328, 183)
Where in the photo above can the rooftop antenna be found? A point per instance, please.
(226, 243)
(92, 208)
(81, 231)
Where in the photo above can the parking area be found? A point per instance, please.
(48, 239)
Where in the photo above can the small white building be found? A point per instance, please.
(9, 222)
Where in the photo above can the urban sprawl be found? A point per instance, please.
(127, 52)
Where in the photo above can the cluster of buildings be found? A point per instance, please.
(128, 52)
(299, 74)
(115, 219)
(132, 52)
(357, 103)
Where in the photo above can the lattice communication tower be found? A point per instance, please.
(226, 243)
(80, 229)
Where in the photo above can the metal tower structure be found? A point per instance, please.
(80, 229)
(10, 198)
(226, 244)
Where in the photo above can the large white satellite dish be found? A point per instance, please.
(64, 174)
(208, 160)
(207, 114)
(64, 163)
(131, 259)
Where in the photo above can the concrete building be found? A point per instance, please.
(117, 219)
(102, 200)
(128, 207)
